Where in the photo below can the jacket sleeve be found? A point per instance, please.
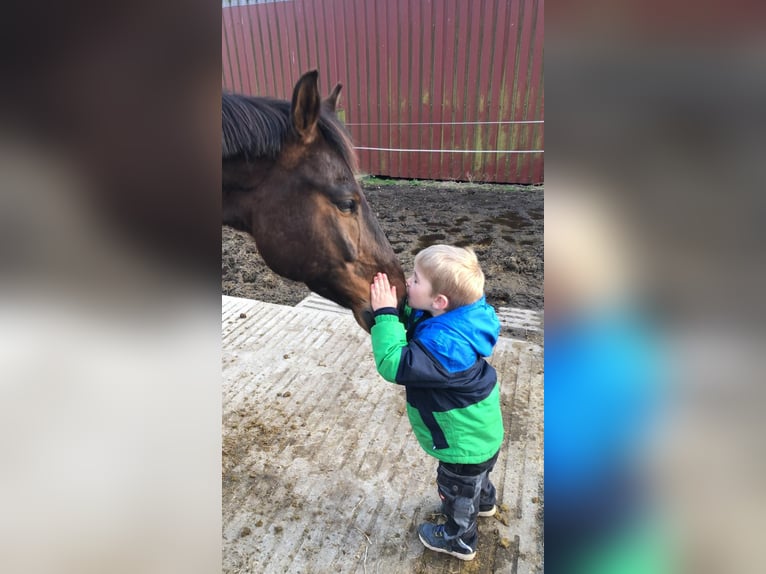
(388, 340)
(403, 362)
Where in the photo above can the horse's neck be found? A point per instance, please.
(241, 186)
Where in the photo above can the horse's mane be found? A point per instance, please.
(258, 127)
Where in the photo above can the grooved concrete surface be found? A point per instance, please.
(321, 472)
(520, 322)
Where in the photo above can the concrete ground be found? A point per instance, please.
(321, 472)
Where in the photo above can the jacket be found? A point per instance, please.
(453, 397)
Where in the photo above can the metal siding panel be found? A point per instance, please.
(522, 160)
(226, 66)
(327, 24)
(427, 87)
(365, 84)
(404, 92)
(481, 30)
(351, 77)
(313, 12)
(304, 59)
(235, 78)
(271, 78)
(471, 88)
(238, 36)
(252, 22)
(503, 37)
(385, 53)
(475, 91)
(494, 48)
(410, 133)
(358, 80)
(245, 37)
(459, 86)
(290, 66)
(407, 62)
(264, 48)
(393, 25)
(505, 85)
(281, 44)
(441, 102)
(271, 48)
(381, 92)
(368, 87)
(513, 86)
(306, 29)
(451, 71)
(528, 33)
(230, 49)
(245, 51)
(535, 161)
(539, 169)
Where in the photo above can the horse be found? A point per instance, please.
(289, 181)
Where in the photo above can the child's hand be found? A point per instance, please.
(382, 294)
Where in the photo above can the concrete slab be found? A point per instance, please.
(321, 472)
(524, 324)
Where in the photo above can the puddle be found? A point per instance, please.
(483, 242)
(428, 240)
(512, 220)
(536, 214)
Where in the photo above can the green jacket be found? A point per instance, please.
(453, 397)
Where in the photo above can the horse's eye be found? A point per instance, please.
(346, 205)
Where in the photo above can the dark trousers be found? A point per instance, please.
(462, 489)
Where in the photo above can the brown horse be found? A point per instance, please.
(288, 180)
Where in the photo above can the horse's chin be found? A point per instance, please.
(365, 318)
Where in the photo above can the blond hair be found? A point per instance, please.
(454, 272)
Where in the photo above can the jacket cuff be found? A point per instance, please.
(387, 311)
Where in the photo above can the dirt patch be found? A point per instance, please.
(503, 224)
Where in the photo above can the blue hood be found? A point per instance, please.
(459, 337)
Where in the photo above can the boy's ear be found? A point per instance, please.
(440, 302)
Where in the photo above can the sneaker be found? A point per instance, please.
(432, 536)
(487, 510)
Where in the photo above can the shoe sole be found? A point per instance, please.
(489, 512)
(485, 513)
(457, 555)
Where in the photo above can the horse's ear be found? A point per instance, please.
(306, 106)
(332, 100)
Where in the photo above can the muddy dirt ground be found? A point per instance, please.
(503, 224)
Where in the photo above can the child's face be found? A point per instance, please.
(419, 293)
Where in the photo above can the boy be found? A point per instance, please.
(453, 399)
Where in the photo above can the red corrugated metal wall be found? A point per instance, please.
(444, 76)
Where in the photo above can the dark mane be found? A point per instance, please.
(258, 127)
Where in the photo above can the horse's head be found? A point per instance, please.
(309, 216)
